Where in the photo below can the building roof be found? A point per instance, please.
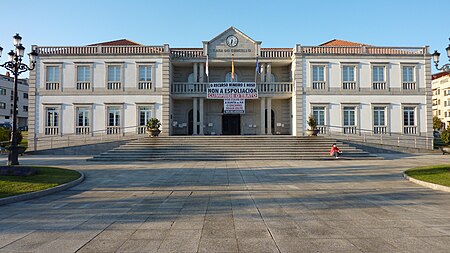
(439, 75)
(341, 43)
(121, 42)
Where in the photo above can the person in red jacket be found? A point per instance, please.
(335, 151)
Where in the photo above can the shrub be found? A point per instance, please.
(5, 136)
(445, 136)
(153, 123)
(312, 123)
(437, 123)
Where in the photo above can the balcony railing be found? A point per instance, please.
(318, 85)
(379, 129)
(187, 52)
(410, 130)
(90, 50)
(409, 85)
(276, 52)
(81, 130)
(349, 85)
(365, 50)
(114, 85)
(113, 130)
(201, 88)
(349, 129)
(322, 129)
(144, 85)
(141, 129)
(379, 85)
(51, 130)
(83, 85)
(52, 86)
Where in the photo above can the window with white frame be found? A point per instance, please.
(25, 108)
(83, 77)
(378, 78)
(52, 121)
(318, 77)
(349, 119)
(145, 77)
(408, 80)
(52, 78)
(2, 105)
(114, 77)
(145, 114)
(113, 120)
(348, 77)
(83, 120)
(379, 120)
(409, 120)
(2, 91)
(319, 114)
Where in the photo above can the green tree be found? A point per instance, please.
(5, 137)
(437, 123)
(445, 136)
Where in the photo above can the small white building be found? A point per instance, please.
(6, 100)
(113, 88)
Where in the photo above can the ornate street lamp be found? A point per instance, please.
(436, 55)
(16, 67)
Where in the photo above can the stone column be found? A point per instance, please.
(201, 77)
(195, 72)
(269, 72)
(201, 100)
(194, 114)
(263, 115)
(269, 115)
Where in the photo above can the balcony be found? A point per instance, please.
(379, 129)
(379, 85)
(318, 85)
(409, 85)
(410, 130)
(82, 130)
(200, 88)
(83, 85)
(144, 85)
(51, 130)
(349, 85)
(51, 86)
(114, 85)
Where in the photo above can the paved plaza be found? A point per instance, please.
(243, 206)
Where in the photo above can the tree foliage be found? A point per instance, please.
(437, 123)
(445, 136)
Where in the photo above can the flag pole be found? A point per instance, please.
(207, 68)
(257, 66)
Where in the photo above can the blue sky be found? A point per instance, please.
(187, 23)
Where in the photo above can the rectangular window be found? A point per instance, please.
(83, 73)
(114, 73)
(319, 115)
(2, 105)
(145, 114)
(145, 73)
(348, 73)
(349, 116)
(25, 95)
(408, 116)
(378, 74)
(408, 74)
(113, 116)
(318, 73)
(83, 117)
(52, 74)
(2, 91)
(379, 116)
(25, 108)
(52, 117)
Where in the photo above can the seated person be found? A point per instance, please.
(335, 151)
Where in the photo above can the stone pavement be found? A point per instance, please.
(257, 206)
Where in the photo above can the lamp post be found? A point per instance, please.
(16, 67)
(436, 54)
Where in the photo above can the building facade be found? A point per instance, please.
(113, 88)
(6, 100)
(441, 101)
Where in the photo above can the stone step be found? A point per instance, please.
(208, 148)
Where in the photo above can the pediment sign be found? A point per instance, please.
(232, 41)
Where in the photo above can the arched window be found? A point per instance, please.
(228, 77)
(191, 78)
(273, 78)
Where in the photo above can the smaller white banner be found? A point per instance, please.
(234, 106)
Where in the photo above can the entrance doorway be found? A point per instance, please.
(191, 122)
(231, 124)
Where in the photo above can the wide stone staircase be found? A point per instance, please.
(210, 148)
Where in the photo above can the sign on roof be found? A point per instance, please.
(227, 90)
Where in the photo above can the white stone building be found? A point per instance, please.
(112, 88)
(441, 93)
(6, 100)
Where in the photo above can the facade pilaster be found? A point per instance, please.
(32, 109)
(194, 116)
(269, 115)
(201, 101)
(195, 72)
(263, 115)
(166, 101)
(201, 77)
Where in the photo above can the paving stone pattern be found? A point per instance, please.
(233, 206)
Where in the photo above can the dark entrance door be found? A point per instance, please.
(231, 124)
